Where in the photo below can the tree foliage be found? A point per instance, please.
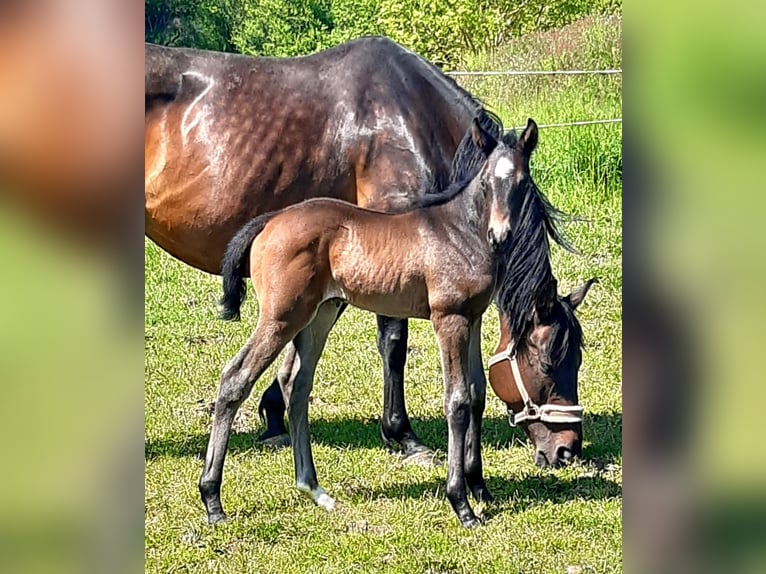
(444, 31)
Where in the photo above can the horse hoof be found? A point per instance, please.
(474, 521)
(471, 523)
(483, 495)
(424, 457)
(218, 518)
(277, 441)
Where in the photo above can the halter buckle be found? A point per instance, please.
(532, 411)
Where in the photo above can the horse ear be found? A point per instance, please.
(546, 299)
(528, 140)
(481, 138)
(576, 297)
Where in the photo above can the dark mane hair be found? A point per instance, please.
(529, 272)
(466, 162)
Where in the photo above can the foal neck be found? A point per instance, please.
(469, 208)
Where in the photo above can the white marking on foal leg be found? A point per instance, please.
(318, 495)
(503, 167)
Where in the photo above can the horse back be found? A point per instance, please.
(229, 137)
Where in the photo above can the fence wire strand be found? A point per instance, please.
(567, 124)
(549, 73)
(537, 73)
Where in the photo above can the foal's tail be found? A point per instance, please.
(233, 268)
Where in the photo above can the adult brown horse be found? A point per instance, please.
(225, 141)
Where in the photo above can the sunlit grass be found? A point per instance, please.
(392, 517)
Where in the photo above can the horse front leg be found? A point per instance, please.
(453, 334)
(395, 428)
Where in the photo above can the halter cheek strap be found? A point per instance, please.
(532, 411)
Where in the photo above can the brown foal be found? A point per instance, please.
(438, 261)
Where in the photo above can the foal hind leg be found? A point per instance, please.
(395, 427)
(237, 381)
(296, 387)
(272, 405)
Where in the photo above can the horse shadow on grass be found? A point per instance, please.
(603, 433)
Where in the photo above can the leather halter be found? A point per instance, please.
(532, 411)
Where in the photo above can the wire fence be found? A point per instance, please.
(538, 73)
(581, 123)
(548, 73)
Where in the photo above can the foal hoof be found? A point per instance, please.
(276, 442)
(325, 501)
(423, 457)
(217, 518)
(318, 495)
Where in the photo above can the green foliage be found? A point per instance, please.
(354, 19)
(447, 32)
(205, 24)
(283, 27)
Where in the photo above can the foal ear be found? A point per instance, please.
(481, 138)
(576, 297)
(528, 140)
(546, 299)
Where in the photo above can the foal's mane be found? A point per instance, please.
(529, 272)
(466, 163)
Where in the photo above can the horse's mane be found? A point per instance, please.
(529, 271)
(466, 163)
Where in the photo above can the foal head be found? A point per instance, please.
(506, 171)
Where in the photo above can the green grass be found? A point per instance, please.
(392, 517)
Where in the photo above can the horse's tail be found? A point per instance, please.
(233, 268)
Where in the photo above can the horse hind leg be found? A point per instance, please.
(237, 380)
(296, 388)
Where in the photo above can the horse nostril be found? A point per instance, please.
(564, 454)
(541, 460)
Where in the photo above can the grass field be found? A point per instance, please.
(392, 517)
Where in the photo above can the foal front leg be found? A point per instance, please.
(477, 386)
(453, 334)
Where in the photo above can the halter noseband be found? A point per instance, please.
(532, 411)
